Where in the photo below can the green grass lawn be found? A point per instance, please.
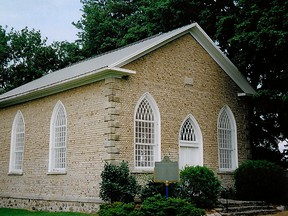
(21, 212)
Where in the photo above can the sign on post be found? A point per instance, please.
(166, 170)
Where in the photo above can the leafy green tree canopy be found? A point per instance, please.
(25, 56)
(255, 37)
(108, 24)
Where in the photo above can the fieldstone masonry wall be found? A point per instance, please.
(49, 205)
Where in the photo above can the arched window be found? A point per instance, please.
(227, 140)
(58, 139)
(190, 143)
(188, 133)
(146, 132)
(17, 144)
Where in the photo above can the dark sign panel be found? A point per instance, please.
(166, 170)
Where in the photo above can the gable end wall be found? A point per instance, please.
(183, 79)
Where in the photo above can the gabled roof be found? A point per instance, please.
(110, 64)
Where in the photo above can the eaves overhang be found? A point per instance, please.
(63, 85)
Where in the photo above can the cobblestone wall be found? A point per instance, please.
(50, 205)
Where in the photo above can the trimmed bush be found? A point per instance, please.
(118, 209)
(156, 206)
(160, 206)
(260, 180)
(117, 184)
(200, 186)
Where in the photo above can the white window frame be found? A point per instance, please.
(228, 134)
(156, 143)
(62, 139)
(17, 144)
(197, 143)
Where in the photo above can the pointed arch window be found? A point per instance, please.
(17, 144)
(227, 140)
(187, 132)
(190, 143)
(146, 132)
(58, 139)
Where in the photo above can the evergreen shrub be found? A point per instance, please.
(200, 186)
(118, 209)
(260, 180)
(118, 185)
(156, 206)
(161, 206)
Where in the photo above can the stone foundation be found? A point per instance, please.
(226, 179)
(50, 205)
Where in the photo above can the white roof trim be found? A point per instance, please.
(83, 79)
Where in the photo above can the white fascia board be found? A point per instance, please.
(221, 59)
(83, 79)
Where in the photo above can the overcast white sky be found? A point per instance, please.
(52, 17)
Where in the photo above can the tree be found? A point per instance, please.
(25, 56)
(108, 24)
(28, 58)
(67, 53)
(254, 34)
(4, 56)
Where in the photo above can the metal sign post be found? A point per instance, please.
(166, 171)
(167, 191)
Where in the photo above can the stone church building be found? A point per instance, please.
(174, 94)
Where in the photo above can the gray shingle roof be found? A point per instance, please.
(96, 68)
